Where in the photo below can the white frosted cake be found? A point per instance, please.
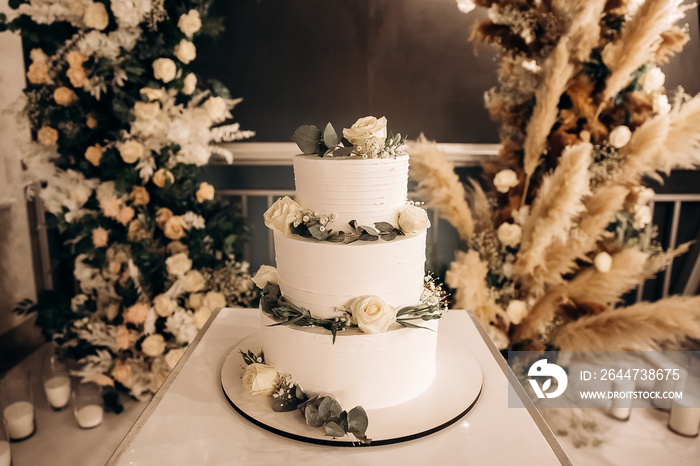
(366, 284)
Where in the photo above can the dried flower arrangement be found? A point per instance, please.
(565, 230)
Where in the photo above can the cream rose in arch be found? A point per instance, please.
(179, 264)
(173, 356)
(620, 136)
(193, 281)
(260, 379)
(164, 69)
(516, 311)
(93, 154)
(371, 314)
(189, 23)
(64, 96)
(413, 219)
(205, 192)
(509, 234)
(603, 262)
(163, 305)
(77, 76)
(139, 195)
(153, 345)
(280, 214)
(265, 274)
(47, 136)
(174, 228)
(214, 300)
(146, 110)
(189, 84)
(131, 151)
(163, 176)
(100, 237)
(185, 51)
(504, 180)
(216, 109)
(367, 133)
(96, 16)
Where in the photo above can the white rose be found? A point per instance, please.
(193, 281)
(189, 23)
(131, 151)
(189, 84)
(153, 345)
(661, 105)
(163, 305)
(266, 274)
(645, 195)
(179, 264)
(260, 379)
(504, 180)
(516, 311)
(654, 80)
(642, 216)
(620, 136)
(280, 214)
(371, 314)
(216, 109)
(80, 193)
(201, 316)
(603, 262)
(195, 301)
(214, 300)
(153, 94)
(366, 132)
(185, 51)
(164, 69)
(510, 234)
(173, 356)
(146, 111)
(465, 6)
(413, 219)
(96, 16)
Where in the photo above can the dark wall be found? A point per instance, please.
(313, 61)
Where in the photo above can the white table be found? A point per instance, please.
(190, 422)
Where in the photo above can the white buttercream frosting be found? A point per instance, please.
(369, 370)
(323, 276)
(366, 190)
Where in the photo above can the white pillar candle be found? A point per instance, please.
(685, 417)
(669, 385)
(89, 416)
(5, 456)
(19, 418)
(57, 390)
(620, 408)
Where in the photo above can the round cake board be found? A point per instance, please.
(454, 391)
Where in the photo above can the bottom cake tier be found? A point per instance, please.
(369, 370)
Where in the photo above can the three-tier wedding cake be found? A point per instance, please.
(348, 310)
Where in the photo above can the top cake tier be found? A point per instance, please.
(366, 190)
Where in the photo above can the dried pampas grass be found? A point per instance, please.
(557, 71)
(646, 142)
(641, 327)
(439, 185)
(539, 317)
(584, 33)
(607, 288)
(682, 146)
(558, 203)
(467, 275)
(672, 42)
(639, 40)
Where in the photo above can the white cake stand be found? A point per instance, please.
(455, 391)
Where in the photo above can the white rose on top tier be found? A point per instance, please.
(367, 135)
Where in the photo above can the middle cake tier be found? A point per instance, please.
(322, 277)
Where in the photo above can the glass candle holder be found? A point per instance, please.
(88, 406)
(5, 451)
(17, 405)
(56, 380)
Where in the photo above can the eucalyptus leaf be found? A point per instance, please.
(357, 421)
(311, 416)
(330, 137)
(329, 408)
(389, 236)
(338, 238)
(368, 229)
(368, 237)
(333, 429)
(384, 226)
(307, 138)
(343, 152)
(316, 232)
